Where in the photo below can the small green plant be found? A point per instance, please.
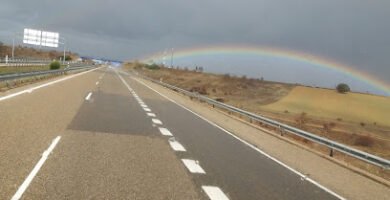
(55, 65)
(343, 88)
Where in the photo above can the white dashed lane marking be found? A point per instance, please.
(144, 106)
(88, 97)
(193, 166)
(156, 121)
(176, 145)
(151, 114)
(97, 82)
(214, 193)
(147, 109)
(165, 131)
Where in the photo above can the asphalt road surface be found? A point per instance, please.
(105, 135)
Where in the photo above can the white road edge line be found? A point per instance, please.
(214, 193)
(250, 145)
(88, 96)
(123, 81)
(34, 172)
(193, 166)
(29, 90)
(176, 146)
(156, 121)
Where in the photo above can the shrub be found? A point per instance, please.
(364, 140)
(201, 90)
(301, 119)
(55, 65)
(226, 77)
(342, 88)
(138, 65)
(220, 100)
(67, 58)
(362, 124)
(328, 126)
(153, 66)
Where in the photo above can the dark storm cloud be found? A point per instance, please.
(351, 31)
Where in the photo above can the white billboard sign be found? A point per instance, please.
(49, 39)
(32, 36)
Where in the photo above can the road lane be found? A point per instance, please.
(238, 169)
(110, 150)
(30, 121)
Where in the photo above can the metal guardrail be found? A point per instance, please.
(334, 146)
(24, 60)
(5, 77)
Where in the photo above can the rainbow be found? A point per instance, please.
(279, 53)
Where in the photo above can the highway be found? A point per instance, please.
(103, 134)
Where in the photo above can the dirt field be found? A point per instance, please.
(355, 119)
(353, 107)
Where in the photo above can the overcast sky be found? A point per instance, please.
(355, 32)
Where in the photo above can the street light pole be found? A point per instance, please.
(64, 43)
(13, 47)
(172, 57)
(64, 53)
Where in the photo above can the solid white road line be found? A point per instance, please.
(165, 131)
(157, 121)
(34, 172)
(176, 146)
(214, 193)
(248, 144)
(43, 85)
(88, 96)
(123, 81)
(151, 114)
(147, 109)
(193, 166)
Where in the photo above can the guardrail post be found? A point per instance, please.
(331, 153)
(281, 131)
